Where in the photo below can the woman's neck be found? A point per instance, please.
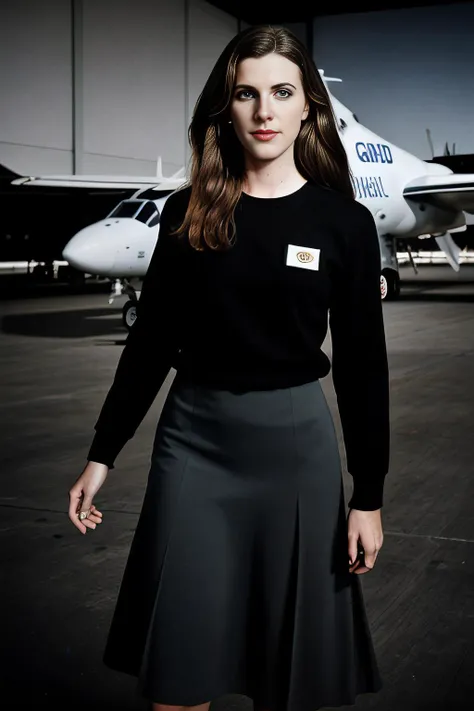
(271, 179)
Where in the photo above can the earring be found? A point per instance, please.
(229, 122)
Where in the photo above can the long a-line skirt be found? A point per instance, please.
(237, 580)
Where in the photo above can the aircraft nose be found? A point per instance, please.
(91, 252)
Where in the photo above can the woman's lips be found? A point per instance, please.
(264, 135)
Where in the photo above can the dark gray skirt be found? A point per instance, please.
(237, 580)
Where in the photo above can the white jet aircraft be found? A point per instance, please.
(408, 197)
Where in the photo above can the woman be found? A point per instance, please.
(238, 579)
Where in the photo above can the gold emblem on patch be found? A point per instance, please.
(304, 257)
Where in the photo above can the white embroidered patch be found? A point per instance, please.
(304, 257)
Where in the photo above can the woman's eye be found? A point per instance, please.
(247, 94)
(241, 94)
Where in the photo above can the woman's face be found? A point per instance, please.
(268, 96)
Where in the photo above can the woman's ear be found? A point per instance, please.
(305, 113)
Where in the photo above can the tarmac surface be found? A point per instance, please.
(58, 355)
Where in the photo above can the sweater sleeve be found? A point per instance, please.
(148, 354)
(359, 364)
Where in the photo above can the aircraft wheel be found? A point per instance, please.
(389, 285)
(129, 314)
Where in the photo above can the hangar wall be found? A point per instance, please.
(35, 86)
(404, 71)
(94, 86)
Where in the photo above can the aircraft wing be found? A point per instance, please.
(452, 191)
(108, 182)
(98, 182)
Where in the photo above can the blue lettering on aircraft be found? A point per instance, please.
(373, 152)
(369, 187)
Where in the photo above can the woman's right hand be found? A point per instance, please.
(82, 493)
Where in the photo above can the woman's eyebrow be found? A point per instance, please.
(275, 86)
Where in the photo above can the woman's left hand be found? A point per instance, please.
(365, 537)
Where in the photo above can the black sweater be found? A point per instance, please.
(255, 316)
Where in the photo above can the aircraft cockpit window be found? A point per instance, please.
(147, 213)
(142, 210)
(355, 117)
(127, 208)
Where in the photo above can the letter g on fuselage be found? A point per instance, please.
(373, 152)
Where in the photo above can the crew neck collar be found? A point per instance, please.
(280, 198)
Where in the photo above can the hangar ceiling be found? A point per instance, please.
(276, 11)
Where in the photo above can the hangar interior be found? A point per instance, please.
(99, 87)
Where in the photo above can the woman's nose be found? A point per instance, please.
(264, 111)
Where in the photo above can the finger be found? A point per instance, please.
(78, 524)
(356, 556)
(369, 558)
(89, 524)
(360, 560)
(352, 549)
(367, 563)
(94, 519)
(83, 524)
(354, 563)
(74, 505)
(362, 569)
(353, 568)
(84, 509)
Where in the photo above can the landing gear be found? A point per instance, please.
(389, 276)
(389, 285)
(129, 313)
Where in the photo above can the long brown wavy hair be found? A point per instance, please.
(217, 161)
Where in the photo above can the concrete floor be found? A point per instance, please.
(58, 354)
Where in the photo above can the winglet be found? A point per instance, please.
(159, 169)
(451, 250)
(325, 78)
